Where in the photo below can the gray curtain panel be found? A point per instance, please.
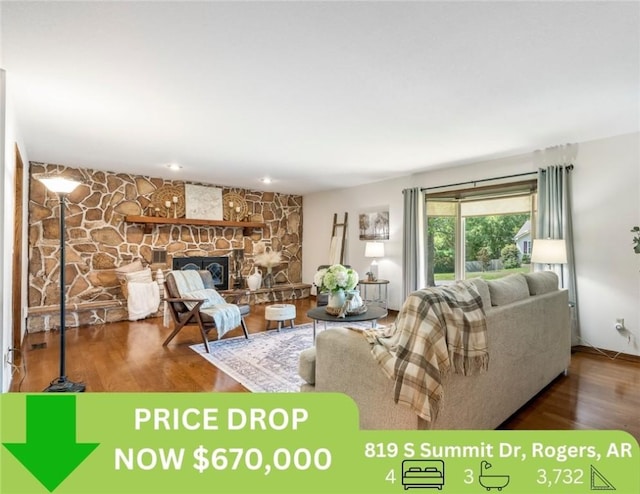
(555, 220)
(413, 245)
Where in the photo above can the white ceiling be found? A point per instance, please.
(316, 95)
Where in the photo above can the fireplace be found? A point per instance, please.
(217, 266)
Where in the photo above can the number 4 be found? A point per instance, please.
(391, 476)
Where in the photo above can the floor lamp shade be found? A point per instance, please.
(58, 184)
(62, 186)
(549, 251)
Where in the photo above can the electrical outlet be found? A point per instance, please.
(624, 331)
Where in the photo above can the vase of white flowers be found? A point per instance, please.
(268, 259)
(336, 299)
(336, 280)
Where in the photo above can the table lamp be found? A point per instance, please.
(374, 250)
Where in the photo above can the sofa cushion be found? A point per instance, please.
(483, 289)
(508, 289)
(542, 282)
(307, 365)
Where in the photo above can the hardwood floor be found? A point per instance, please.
(598, 393)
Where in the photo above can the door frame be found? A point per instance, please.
(16, 303)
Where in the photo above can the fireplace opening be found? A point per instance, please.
(217, 266)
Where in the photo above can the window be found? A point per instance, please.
(484, 232)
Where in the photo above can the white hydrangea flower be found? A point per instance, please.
(336, 277)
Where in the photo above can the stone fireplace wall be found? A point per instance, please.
(98, 240)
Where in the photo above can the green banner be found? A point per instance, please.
(283, 443)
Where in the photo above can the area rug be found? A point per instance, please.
(267, 362)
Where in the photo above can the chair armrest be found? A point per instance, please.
(235, 295)
(199, 301)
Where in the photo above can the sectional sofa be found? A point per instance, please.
(529, 345)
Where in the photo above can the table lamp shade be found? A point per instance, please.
(374, 249)
(549, 251)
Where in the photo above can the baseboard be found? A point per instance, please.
(608, 353)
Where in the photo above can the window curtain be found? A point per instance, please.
(413, 242)
(555, 217)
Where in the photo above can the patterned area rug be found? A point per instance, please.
(267, 361)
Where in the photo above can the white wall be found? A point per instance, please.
(606, 182)
(9, 137)
(318, 210)
(4, 321)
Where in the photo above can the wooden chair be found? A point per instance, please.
(182, 315)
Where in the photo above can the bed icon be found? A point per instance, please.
(492, 481)
(422, 473)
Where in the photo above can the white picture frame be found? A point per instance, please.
(203, 202)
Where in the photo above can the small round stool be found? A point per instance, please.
(280, 313)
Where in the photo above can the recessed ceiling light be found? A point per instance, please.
(265, 180)
(174, 166)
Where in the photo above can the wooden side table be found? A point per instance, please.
(380, 295)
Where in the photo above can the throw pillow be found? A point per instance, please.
(483, 289)
(209, 295)
(508, 289)
(542, 282)
(142, 276)
(207, 279)
(129, 268)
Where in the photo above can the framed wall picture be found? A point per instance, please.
(202, 202)
(374, 225)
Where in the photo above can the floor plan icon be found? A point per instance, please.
(599, 482)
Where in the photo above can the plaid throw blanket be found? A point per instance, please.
(437, 329)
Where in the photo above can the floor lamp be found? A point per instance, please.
(549, 251)
(62, 186)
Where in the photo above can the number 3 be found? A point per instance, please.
(469, 478)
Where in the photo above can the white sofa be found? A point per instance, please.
(529, 344)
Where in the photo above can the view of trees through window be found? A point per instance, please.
(482, 237)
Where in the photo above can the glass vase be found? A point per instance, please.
(268, 278)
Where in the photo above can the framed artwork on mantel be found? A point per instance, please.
(203, 202)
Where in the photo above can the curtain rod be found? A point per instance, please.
(423, 189)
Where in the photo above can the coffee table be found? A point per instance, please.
(320, 314)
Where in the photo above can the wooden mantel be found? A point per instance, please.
(149, 221)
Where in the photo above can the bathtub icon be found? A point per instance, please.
(492, 481)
